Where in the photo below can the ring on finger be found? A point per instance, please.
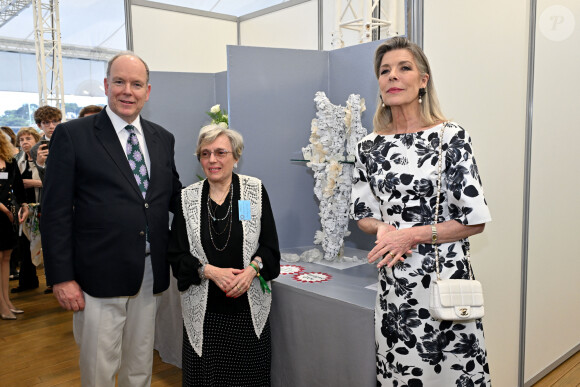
(391, 254)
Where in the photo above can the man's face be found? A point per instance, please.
(48, 125)
(127, 88)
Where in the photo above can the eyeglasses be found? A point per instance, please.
(220, 154)
(56, 122)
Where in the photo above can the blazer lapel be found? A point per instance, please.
(152, 140)
(105, 133)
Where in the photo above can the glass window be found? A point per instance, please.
(92, 31)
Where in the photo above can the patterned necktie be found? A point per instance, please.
(136, 160)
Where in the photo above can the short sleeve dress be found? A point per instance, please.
(395, 181)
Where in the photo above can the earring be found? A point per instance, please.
(235, 165)
(382, 103)
(422, 92)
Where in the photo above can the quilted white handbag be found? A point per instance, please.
(454, 299)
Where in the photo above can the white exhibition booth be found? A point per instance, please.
(492, 69)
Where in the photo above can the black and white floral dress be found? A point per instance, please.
(395, 181)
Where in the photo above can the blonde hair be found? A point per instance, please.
(209, 133)
(8, 130)
(429, 110)
(6, 147)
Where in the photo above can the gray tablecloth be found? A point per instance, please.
(322, 333)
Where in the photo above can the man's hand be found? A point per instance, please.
(69, 295)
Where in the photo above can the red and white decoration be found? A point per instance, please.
(291, 269)
(311, 277)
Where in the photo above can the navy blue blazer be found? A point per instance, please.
(94, 217)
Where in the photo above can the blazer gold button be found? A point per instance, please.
(146, 205)
(142, 233)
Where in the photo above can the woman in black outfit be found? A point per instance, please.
(223, 250)
(11, 191)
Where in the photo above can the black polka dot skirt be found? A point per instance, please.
(232, 353)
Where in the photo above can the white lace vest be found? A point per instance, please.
(194, 299)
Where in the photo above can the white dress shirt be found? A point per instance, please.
(119, 125)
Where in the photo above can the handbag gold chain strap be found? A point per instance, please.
(439, 174)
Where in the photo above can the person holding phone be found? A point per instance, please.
(47, 118)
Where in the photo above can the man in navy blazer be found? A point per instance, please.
(104, 237)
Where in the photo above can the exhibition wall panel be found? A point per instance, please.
(553, 303)
(292, 27)
(178, 102)
(478, 57)
(351, 72)
(271, 94)
(221, 90)
(174, 41)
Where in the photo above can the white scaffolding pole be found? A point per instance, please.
(48, 54)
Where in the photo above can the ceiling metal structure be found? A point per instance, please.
(11, 8)
(67, 50)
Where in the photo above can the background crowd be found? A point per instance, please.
(20, 242)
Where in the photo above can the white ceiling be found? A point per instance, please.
(228, 7)
(101, 23)
(93, 23)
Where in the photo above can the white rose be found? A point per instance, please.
(223, 125)
(215, 108)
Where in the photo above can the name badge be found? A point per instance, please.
(245, 210)
(3, 175)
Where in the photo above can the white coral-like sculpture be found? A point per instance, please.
(334, 134)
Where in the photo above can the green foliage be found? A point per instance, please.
(72, 108)
(23, 116)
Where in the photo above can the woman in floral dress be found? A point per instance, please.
(394, 195)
